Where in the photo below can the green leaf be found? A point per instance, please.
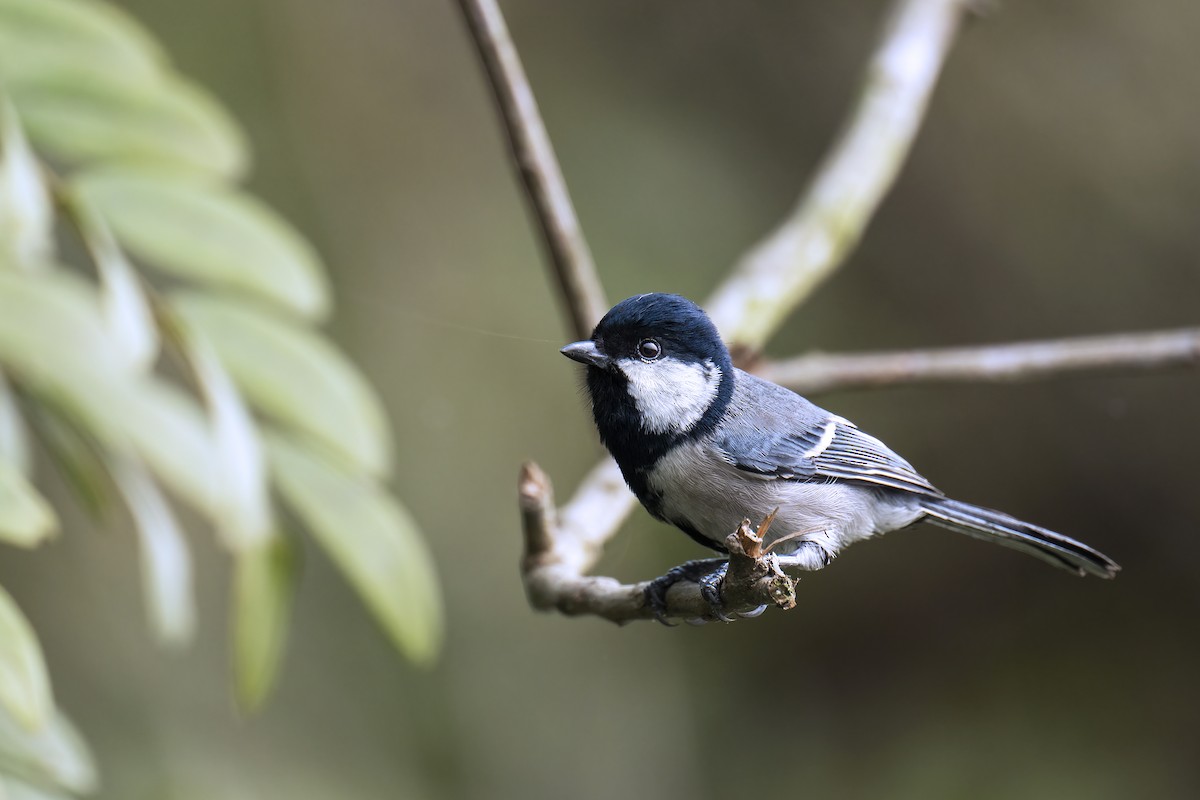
(26, 519)
(264, 581)
(83, 116)
(124, 303)
(295, 375)
(244, 505)
(210, 234)
(53, 334)
(26, 215)
(166, 428)
(24, 682)
(14, 438)
(73, 453)
(55, 755)
(371, 538)
(51, 327)
(166, 562)
(39, 35)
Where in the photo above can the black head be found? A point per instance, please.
(658, 372)
(680, 327)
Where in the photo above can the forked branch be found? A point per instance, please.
(756, 299)
(563, 545)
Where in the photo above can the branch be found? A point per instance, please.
(533, 155)
(769, 282)
(774, 278)
(555, 551)
(819, 372)
(778, 274)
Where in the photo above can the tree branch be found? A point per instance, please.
(773, 279)
(779, 273)
(561, 546)
(533, 155)
(558, 552)
(819, 372)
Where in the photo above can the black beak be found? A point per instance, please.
(586, 352)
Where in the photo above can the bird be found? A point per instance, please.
(704, 445)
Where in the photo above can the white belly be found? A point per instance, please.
(703, 490)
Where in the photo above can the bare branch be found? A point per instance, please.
(554, 554)
(568, 252)
(819, 372)
(784, 269)
(561, 546)
(766, 286)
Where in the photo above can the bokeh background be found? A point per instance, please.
(1053, 190)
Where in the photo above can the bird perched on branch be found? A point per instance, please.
(703, 445)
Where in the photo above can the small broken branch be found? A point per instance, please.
(820, 372)
(533, 156)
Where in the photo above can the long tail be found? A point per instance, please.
(993, 526)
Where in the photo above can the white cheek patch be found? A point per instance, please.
(671, 396)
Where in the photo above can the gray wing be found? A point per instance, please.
(789, 438)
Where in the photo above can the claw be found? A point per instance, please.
(693, 572)
(753, 613)
(710, 589)
(656, 598)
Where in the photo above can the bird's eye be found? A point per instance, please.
(649, 349)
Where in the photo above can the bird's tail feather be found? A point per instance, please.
(994, 526)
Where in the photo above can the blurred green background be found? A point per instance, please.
(1053, 191)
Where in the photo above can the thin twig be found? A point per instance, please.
(568, 252)
(820, 372)
(773, 278)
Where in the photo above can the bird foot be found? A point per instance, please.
(709, 573)
(690, 571)
(710, 590)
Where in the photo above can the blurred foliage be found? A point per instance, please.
(1051, 192)
(156, 326)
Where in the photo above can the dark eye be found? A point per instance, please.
(649, 349)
